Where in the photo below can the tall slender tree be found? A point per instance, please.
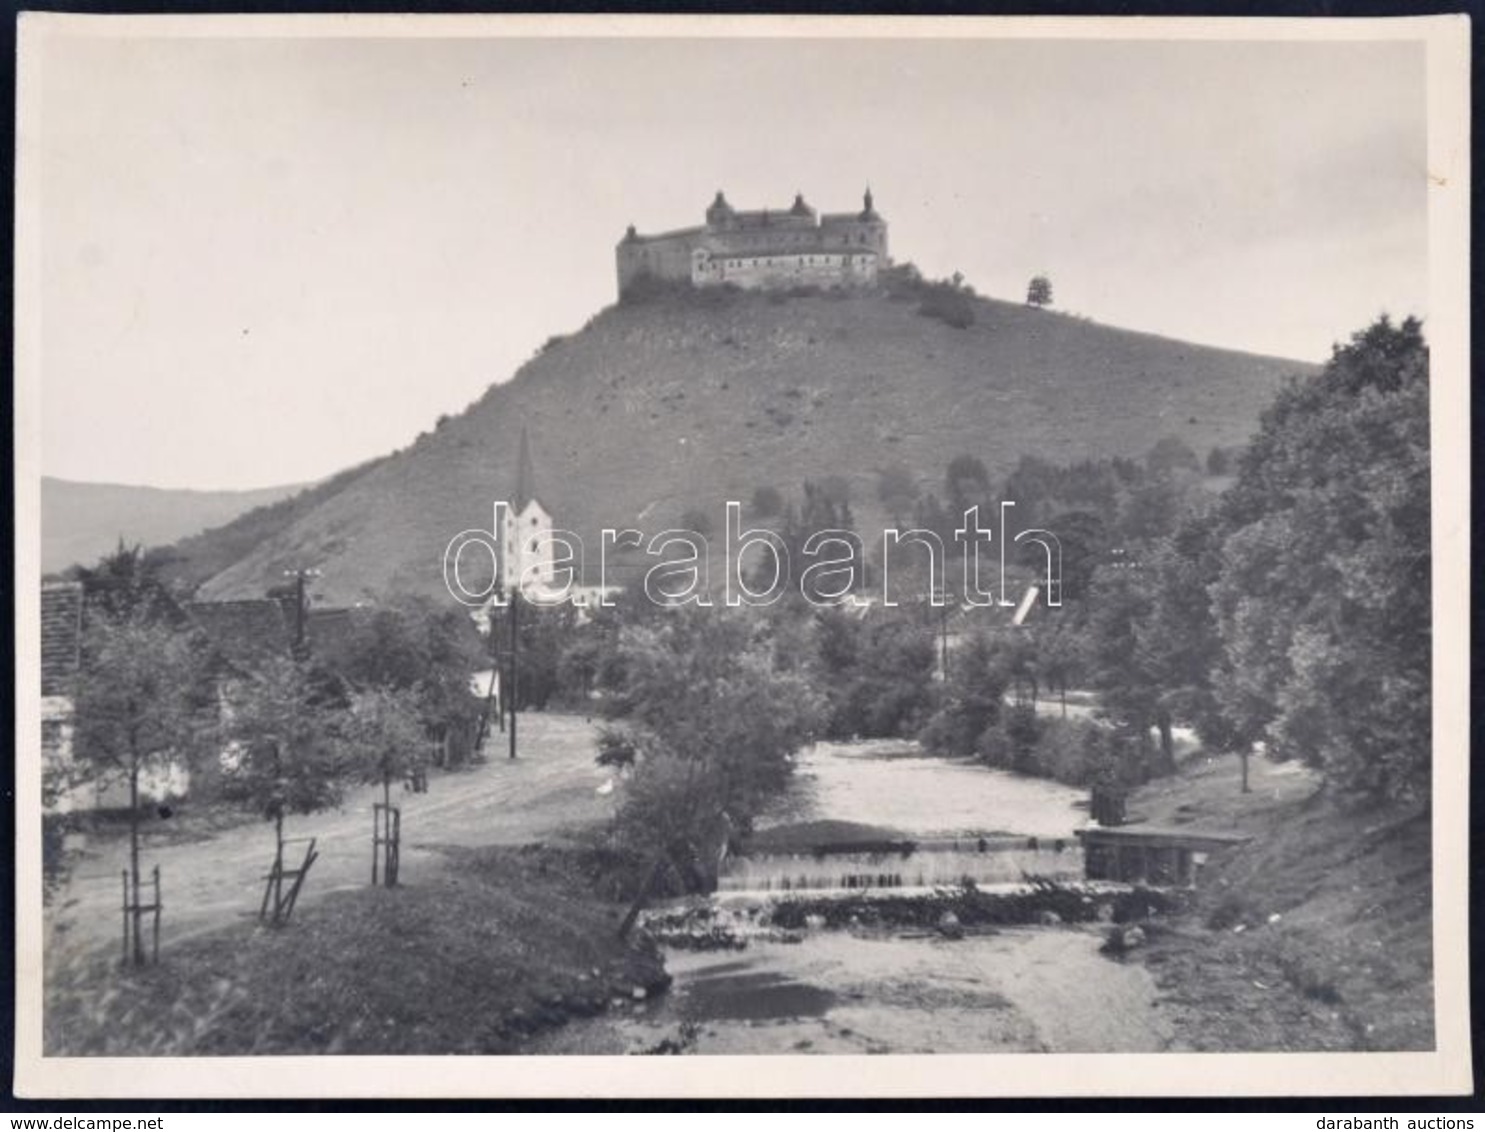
(140, 709)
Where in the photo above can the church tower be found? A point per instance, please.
(527, 555)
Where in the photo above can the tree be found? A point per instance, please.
(967, 484)
(127, 584)
(876, 674)
(696, 520)
(1039, 291)
(713, 725)
(972, 702)
(948, 303)
(140, 706)
(1323, 603)
(413, 646)
(1060, 656)
(1171, 454)
(897, 491)
(825, 507)
(287, 755)
(1127, 677)
(766, 502)
(385, 738)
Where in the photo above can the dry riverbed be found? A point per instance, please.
(1009, 990)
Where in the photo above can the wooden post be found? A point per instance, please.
(158, 908)
(134, 859)
(515, 646)
(124, 910)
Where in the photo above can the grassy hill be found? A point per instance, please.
(81, 522)
(687, 400)
(197, 559)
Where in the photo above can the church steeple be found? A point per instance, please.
(525, 475)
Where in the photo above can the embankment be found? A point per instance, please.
(1317, 935)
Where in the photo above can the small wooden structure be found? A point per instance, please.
(1163, 856)
(278, 905)
(386, 843)
(134, 913)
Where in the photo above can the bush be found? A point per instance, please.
(766, 502)
(948, 304)
(972, 703)
(1063, 750)
(1011, 741)
(876, 676)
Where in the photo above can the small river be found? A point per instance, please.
(874, 990)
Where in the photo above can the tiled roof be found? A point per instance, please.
(792, 253)
(331, 631)
(245, 632)
(61, 635)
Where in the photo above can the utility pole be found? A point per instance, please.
(943, 630)
(299, 575)
(943, 627)
(511, 684)
(515, 644)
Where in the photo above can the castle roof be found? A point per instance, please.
(767, 217)
(673, 234)
(786, 251)
(831, 219)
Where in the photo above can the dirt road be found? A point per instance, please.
(218, 880)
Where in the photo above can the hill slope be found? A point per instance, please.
(81, 522)
(683, 402)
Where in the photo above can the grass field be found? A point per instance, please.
(489, 951)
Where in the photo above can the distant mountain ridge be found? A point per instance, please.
(683, 401)
(81, 522)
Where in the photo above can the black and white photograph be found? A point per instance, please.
(611, 555)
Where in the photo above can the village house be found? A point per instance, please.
(65, 789)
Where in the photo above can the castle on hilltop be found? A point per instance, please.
(764, 249)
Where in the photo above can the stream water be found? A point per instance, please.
(879, 990)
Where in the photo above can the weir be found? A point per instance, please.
(988, 860)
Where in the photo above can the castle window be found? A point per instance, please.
(533, 544)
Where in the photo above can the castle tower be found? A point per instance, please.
(527, 554)
(719, 213)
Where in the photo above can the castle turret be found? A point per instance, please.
(720, 211)
(867, 211)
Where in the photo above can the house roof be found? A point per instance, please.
(245, 632)
(331, 631)
(61, 636)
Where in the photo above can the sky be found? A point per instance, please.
(264, 260)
